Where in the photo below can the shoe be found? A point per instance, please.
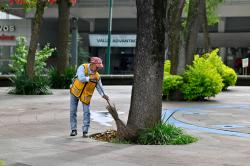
(84, 135)
(73, 133)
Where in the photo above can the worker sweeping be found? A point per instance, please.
(86, 80)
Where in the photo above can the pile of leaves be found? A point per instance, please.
(106, 136)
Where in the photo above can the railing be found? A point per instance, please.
(237, 2)
(101, 3)
(243, 80)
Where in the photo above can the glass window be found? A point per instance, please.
(5, 59)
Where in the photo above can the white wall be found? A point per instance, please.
(22, 28)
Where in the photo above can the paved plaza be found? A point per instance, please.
(34, 130)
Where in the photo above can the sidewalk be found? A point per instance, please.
(34, 131)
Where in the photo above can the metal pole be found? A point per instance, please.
(107, 68)
(74, 46)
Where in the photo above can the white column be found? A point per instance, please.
(91, 25)
(221, 29)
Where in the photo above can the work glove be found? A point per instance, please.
(93, 78)
(105, 97)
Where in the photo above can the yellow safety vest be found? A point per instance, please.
(84, 90)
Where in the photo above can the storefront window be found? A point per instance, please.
(121, 59)
(235, 56)
(121, 54)
(5, 59)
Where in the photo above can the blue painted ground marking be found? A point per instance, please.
(229, 126)
(167, 117)
(195, 113)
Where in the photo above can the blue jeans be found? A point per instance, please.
(73, 114)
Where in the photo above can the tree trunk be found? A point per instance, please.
(182, 56)
(174, 13)
(146, 100)
(205, 26)
(63, 35)
(192, 29)
(36, 26)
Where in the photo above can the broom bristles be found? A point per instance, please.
(123, 132)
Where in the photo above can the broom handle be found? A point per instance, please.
(105, 94)
(113, 111)
(108, 103)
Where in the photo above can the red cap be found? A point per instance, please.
(97, 61)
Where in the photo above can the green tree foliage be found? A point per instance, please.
(4, 7)
(211, 6)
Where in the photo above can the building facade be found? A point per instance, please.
(231, 34)
(11, 27)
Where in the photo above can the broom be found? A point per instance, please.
(123, 132)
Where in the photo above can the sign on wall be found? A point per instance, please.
(245, 62)
(10, 29)
(5, 37)
(98, 40)
(7, 28)
(245, 65)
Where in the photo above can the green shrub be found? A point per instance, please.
(229, 77)
(41, 57)
(167, 67)
(62, 81)
(184, 139)
(37, 85)
(171, 83)
(19, 59)
(164, 134)
(2, 163)
(201, 80)
(227, 74)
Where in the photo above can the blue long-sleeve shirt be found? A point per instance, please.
(82, 78)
